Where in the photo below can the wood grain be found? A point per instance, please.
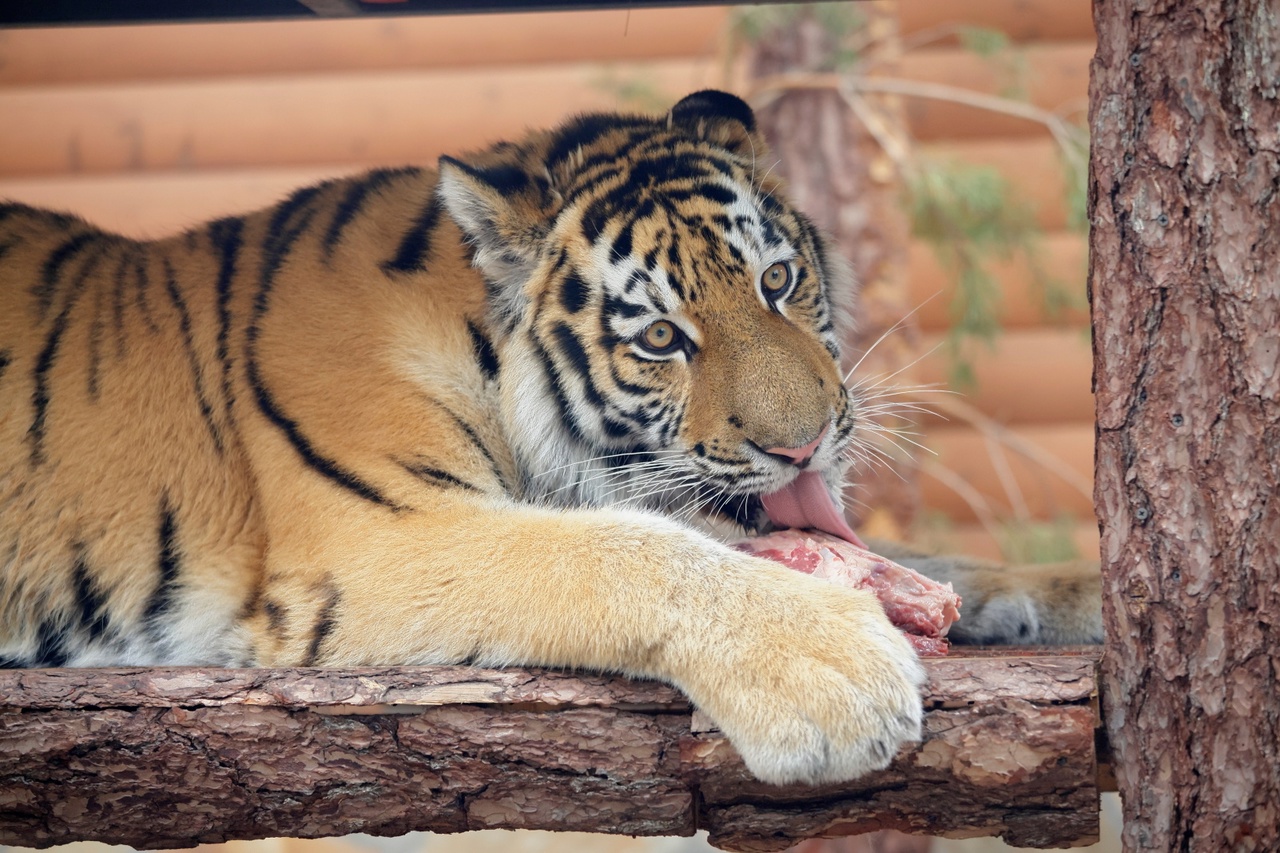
(160, 758)
(1185, 243)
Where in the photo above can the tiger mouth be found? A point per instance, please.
(806, 502)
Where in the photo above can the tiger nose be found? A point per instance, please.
(799, 455)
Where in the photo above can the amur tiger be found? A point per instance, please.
(479, 414)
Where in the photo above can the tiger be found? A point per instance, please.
(508, 411)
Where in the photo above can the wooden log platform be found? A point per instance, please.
(174, 757)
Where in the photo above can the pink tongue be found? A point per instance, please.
(807, 503)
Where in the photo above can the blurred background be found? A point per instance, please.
(941, 143)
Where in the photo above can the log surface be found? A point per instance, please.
(164, 758)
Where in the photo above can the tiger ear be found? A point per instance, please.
(504, 213)
(720, 118)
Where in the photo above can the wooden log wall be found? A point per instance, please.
(148, 129)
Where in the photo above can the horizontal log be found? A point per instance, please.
(389, 117)
(974, 540)
(175, 56)
(1023, 20)
(1060, 255)
(966, 454)
(155, 204)
(177, 757)
(1032, 166)
(1027, 376)
(101, 55)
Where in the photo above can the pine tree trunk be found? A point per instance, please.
(1185, 294)
(839, 176)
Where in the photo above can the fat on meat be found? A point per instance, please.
(923, 609)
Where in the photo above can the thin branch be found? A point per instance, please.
(967, 493)
(1029, 449)
(1066, 135)
(1012, 491)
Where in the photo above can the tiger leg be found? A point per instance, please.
(1048, 604)
(809, 682)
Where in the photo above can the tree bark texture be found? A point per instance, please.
(163, 758)
(838, 174)
(1185, 295)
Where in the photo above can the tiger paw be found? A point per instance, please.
(811, 683)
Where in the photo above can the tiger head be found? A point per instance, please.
(668, 326)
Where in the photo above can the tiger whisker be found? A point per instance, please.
(602, 458)
(887, 332)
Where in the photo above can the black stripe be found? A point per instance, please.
(325, 623)
(593, 182)
(95, 345)
(596, 217)
(275, 616)
(586, 130)
(628, 387)
(11, 663)
(51, 645)
(723, 460)
(51, 271)
(352, 203)
(227, 236)
(415, 245)
(142, 283)
(11, 208)
(61, 220)
(5, 360)
(48, 356)
(714, 193)
(622, 244)
(480, 445)
(473, 436)
(94, 617)
(302, 445)
(674, 263)
(435, 476)
(573, 292)
(193, 358)
(7, 245)
(615, 307)
(485, 354)
(283, 232)
(169, 563)
(281, 235)
(506, 178)
(117, 301)
(572, 348)
(558, 393)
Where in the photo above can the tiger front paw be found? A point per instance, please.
(810, 682)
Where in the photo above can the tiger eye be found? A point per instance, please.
(660, 337)
(775, 280)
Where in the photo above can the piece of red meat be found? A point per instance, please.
(923, 609)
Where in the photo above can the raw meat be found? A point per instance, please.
(922, 608)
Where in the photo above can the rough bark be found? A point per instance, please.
(177, 757)
(1185, 294)
(838, 174)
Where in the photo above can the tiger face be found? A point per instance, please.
(669, 324)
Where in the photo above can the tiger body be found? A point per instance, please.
(482, 414)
